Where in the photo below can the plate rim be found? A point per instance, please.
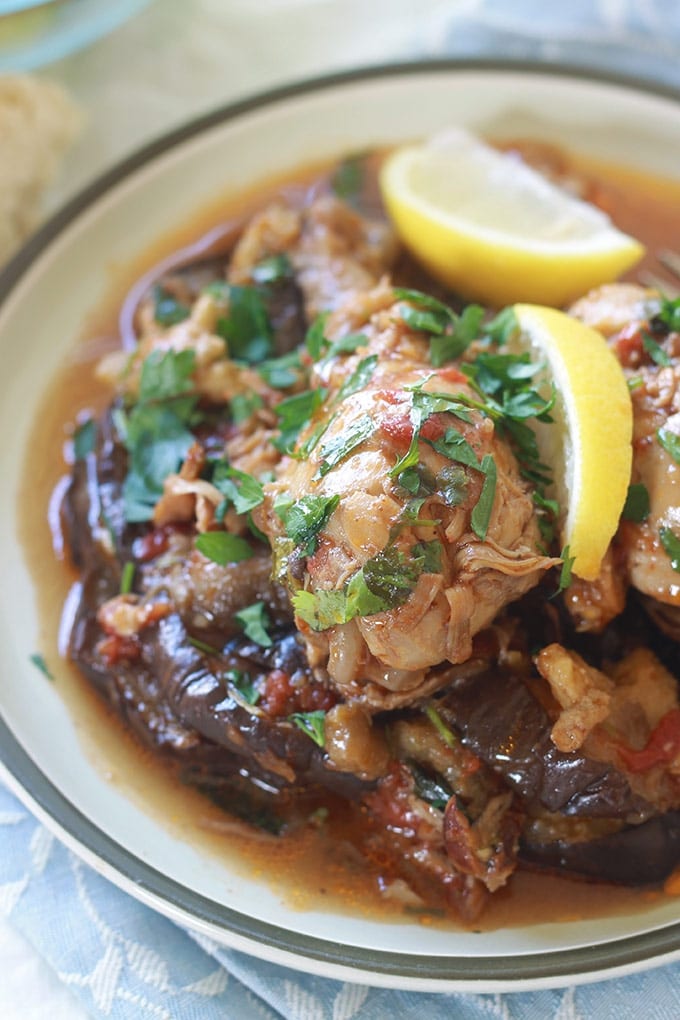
(311, 954)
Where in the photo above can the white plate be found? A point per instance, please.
(45, 295)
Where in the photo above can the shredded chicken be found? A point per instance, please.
(388, 653)
(583, 693)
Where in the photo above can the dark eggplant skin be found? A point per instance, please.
(643, 854)
(501, 721)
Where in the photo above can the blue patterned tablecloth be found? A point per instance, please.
(123, 961)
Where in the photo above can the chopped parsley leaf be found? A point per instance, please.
(167, 310)
(435, 792)
(359, 378)
(294, 413)
(39, 660)
(451, 345)
(238, 487)
(655, 351)
(311, 723)
(222, 547)
(243, 684)
(156, 431)
(305, 518)
(315, 341)
(452, 485)
(669, 313)
(481, 514)
(565, 572)
(670, 441)
(273, 269)
(442, 729)
(281, 373)
(254, 619)
(348, 179)
(671, 545)
(454, 446)
(246, 326)
(339, 446)
(244, 405)
(636, 508)
(84, 439)
(127, 578)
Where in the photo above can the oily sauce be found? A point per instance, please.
(317, 863)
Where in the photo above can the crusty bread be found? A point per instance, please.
(38, 121)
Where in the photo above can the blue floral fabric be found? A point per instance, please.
(125, 962)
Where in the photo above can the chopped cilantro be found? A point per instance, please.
(384, 582)
(203, 646)
(39, 660)
(452, 485)
(565, 572)
(238, 487)
(255, 620)
(451, 345)
(442, 729)
(281, 373)
(246, 326)
(359, 378)
(156, 431)
(244, 405)
(671, 545)
(341, 445)
(481, 514)
(167, 310)
(243, 684)
(222, 547)
(670, 441)
(502, 326)
(311, 723)
(294, 413)
(348, 178)
(127, 578)
(669, 313)
(84, 439)
(425, 312)
(315, 341)
(655, 351)
(273, 269)
(429, 556)
(636, 507)
(436, 792)
(455, 447)
(347, 344)
(304, 519)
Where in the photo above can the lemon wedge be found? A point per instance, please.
(495, 230)
(589, 445)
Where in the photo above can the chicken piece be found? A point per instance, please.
(627, 316)
(583, 693)
(335, 252)
(594, 604)
(405, 570)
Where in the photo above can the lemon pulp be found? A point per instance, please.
(588, 446)
(495, 230)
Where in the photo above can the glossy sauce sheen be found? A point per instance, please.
(316, 864)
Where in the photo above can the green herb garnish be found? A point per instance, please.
(254, 619)
(334, 450)
(294, 413)
(565, 572)
(273, 269)
(481, 514)
(636, 508)
(656, 351)
(84, 439)
(359, 378)
(671, 545)
(156, 431)
(669, 313)
(243, 405)
(246, 326)
(348, 178)
(222, 547)
(670, 441)
(304, 519)
(127, 578)
(39, 660)
(238, 487)
(243, 684)
(311, 723)
(167, 310)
